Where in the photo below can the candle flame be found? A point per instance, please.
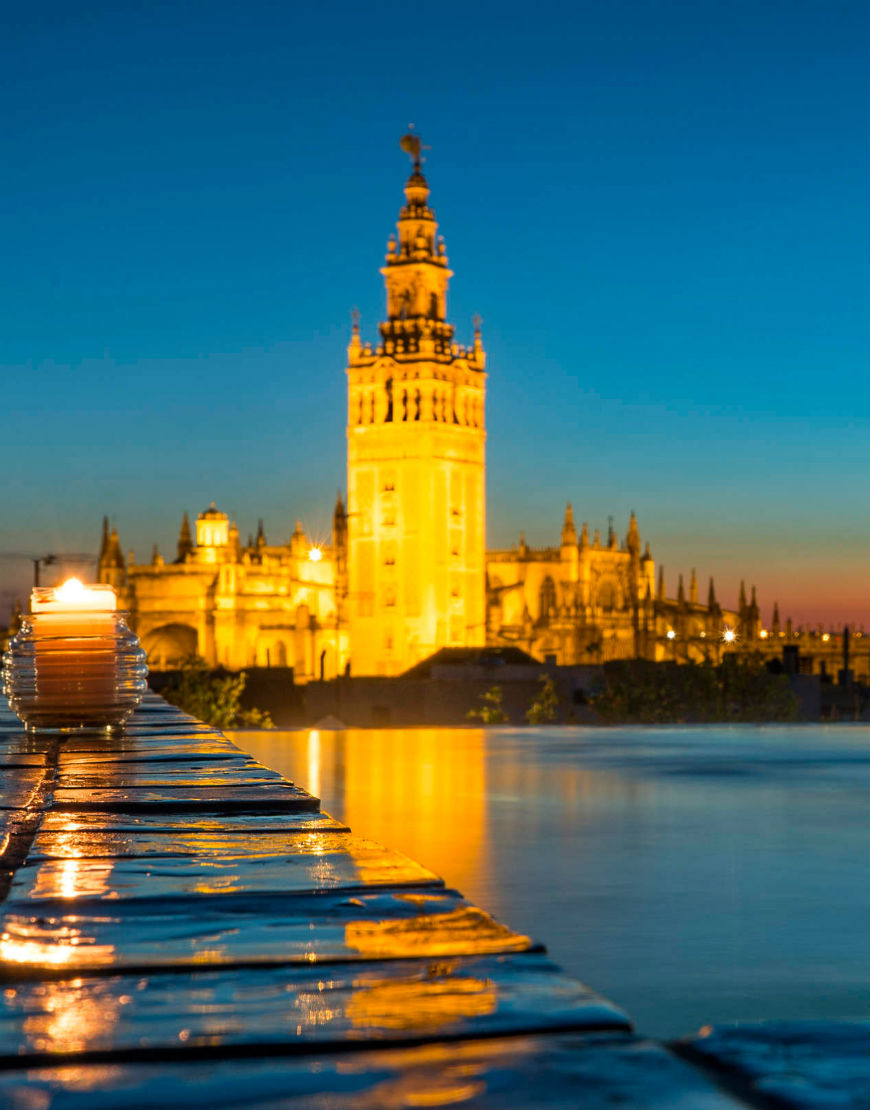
(71, 591)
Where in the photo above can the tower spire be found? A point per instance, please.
(632, 540)
(104, 542)
(185, 542)
(569, 530)
(693, 588)
(712, 603)
(416, 270)
(660, 592)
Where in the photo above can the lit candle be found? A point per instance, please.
(75, 649)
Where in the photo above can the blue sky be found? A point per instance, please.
(659, 210)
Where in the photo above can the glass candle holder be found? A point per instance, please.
(73, 667)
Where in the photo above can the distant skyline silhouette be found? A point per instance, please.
(659, 211)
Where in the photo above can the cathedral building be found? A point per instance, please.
(407, 571)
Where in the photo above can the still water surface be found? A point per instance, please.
(692, 875)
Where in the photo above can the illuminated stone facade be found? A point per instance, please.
(259, 604)
(406, 571)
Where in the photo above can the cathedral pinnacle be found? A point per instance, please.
(104, 543)
(693, 588)
(355, 345)
(632, 540)
(185, 541)
(569, 531)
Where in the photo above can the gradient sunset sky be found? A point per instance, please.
(658, 208)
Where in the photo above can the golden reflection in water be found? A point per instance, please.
(438, 1074)
(73, 877)
(313, 781)
(421, 791)
(433, 805)
(50, 944)
(424, 1006)
(463, 931)
(69, 1017)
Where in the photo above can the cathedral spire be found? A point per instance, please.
(355, 346)
(584, 536)
(185, 542)
(775, 623)
(712, 603)
(339, 522)
(569, 531)
(693, 588)
(660, 592)
(681, 592)
(741, 601)
(632, 540)
(104, 542)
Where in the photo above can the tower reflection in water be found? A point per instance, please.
(420, 791)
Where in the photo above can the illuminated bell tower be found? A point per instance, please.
(415, 460)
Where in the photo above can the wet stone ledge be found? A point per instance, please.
(182, 926)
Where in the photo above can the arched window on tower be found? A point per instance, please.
(547, 598)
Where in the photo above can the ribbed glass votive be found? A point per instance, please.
(63, 673)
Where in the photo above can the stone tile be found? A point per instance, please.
(599, 1071)
(183, 741)
(18, 786)
(239, 772)
(331, 862)
(190, 726)
(217, 844)
(180, 824)
(87, 763)
(297, 1008)
(217, 799)
(795, 1065)
(19, 759)
(234, 929)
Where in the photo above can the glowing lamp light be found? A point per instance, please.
(315, 554)
(671, 634)
(729, 635)
(763, 633)
(826, 636)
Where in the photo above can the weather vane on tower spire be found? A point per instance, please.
(412, 145)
